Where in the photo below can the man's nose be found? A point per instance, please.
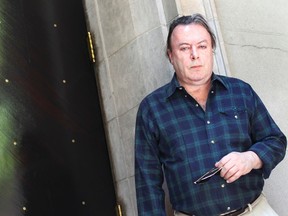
(194, 53)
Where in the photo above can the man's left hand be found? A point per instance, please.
(236, 164)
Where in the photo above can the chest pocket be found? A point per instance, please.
(235, 121)
(234, 112)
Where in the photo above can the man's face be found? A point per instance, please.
(191, 54)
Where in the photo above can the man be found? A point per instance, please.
(200, 121)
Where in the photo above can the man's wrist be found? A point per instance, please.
(256, 161)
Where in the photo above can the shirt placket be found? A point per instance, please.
(212, 136)
(209, 120)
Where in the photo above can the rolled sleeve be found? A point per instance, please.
(269, 142)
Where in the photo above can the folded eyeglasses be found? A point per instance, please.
(208, 175)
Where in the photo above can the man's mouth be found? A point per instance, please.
(196, 66)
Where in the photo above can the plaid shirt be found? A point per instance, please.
(174, 134)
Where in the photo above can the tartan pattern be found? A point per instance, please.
(174, 134)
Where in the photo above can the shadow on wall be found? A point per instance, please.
(169, 210)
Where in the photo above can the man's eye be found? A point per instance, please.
(185, 48)
(202, 46)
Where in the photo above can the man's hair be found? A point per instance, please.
(187, 20)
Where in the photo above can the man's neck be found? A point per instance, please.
(199, 93)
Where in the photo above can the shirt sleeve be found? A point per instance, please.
(148, 168)
(269, 142)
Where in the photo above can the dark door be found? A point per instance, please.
(53, 152)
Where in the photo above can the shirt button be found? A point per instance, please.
(212, 92)
(212, 141)
(180, 88)
(185, 96)
(223, 185)
(236, 117)
(208, 122)
(197, 105)
(228, 208)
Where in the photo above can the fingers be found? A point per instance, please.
(231, 175)
(234, 165)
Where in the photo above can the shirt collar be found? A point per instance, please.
(174, 84)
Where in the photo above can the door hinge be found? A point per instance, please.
(119, 210)
(91, 48)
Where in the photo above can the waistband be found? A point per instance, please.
(236, 212)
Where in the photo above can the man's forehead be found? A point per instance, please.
(186, 33)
